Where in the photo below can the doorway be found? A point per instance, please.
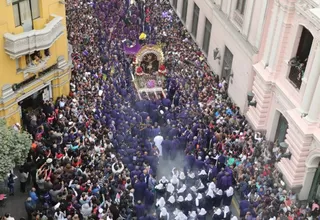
(227, 64)
(282, 128)
(314, 192)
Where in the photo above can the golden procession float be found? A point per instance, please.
(149, 71)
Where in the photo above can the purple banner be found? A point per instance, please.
(132, 49)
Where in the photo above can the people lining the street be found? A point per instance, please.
(96, 152)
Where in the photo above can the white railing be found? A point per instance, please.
(17, 45)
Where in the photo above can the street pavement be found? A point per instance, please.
(14, 204)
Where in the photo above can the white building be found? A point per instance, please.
(229, 32)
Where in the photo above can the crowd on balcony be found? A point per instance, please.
(102, 153)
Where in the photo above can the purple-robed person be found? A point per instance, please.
(140, 209)
(225, 182)
(139, 190)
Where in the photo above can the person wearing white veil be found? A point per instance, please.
(226, 213)
(188, 203)
(234, 218)
(191, 179)
(227, 196)
(200, 201)
(192, 215)
(218, 198)
(212, 186)
(175, 172)
(174, 180)
(171, 205)
(209, 199)
(181, 216)
(163, 180)
(164, 214)
(201, 188)
(182, 176)
(161, 202)
(202, 214)
(217, 215)
(170, 188)
(182, 189)
(180, 202)
(160, 189)
(203, 176)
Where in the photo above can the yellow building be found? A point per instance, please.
(35, 63)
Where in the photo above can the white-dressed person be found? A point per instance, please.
(164, 214)
(202, 214)
(158, 141)
(226, 213)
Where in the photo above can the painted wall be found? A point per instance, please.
(275, 94)
(8, 68)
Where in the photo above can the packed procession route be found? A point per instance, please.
(96, 153)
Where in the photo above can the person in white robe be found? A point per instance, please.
(158, 141)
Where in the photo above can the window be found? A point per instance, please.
(175, 4)
(17, 63)
(206, 36)
(299, 62)
(25, 11)
(195, 20)
(184, 10)
(35, 9)
(241, 4)
(47, 52)
(33, 59)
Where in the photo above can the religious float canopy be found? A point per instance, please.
(150, 71)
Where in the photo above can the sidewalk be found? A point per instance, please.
(14, 204)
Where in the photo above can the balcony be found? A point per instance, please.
(17, 45)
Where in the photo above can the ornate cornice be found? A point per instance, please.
(308, 9)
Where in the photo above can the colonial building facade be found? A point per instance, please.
(268, 50)
(230, 34)
(34, 59)
(286, 89)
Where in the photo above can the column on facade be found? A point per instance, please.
(315, 104)
(276, 40)
(312, 81)
(270, 35)
(261, 24)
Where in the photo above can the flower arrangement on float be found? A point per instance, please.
(151, 83)
(134, 62)
(139, 71)
(162, 70)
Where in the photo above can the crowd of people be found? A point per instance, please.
(98, 153)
